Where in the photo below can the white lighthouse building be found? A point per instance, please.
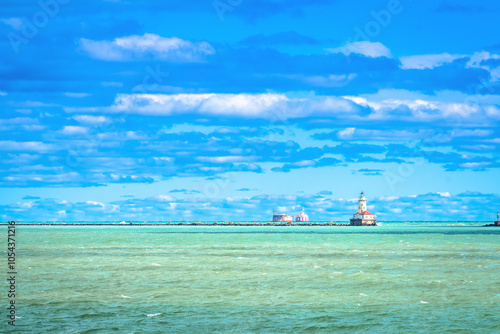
(363, 217)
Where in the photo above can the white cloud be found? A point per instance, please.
(9, 145)
(389, 198)
(74, 130)
(14, 22)
(226, 159)
(96, 204)
(3, 93)
(475, 164)
(366, 48)
(270, 106)
(420, 62)
(303, 163)
(77, 95)
(419, 109)
(346, 133)
(279, 107)
(477, 59)
(386, 135)
(137, 47)
(164, 198)
(92, 120)
(332, 80)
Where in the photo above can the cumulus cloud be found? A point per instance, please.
(147, 46)
(420, 62)
(74, 130)
(91, 120)
(365, 48)
(480, 60)
(279, 107)
(269, 106)
(423, 110)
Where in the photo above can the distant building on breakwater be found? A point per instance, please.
(497, 223)
(363, 217)
(283, 217)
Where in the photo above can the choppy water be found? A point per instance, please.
(390, 279)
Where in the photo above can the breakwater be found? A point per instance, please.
(186, 224)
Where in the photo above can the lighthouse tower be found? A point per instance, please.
(362, 203)
(363, 217)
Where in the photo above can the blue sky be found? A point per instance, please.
(228, 110)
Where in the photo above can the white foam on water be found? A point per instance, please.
(420, 260)
(317, 266)
(153, 315)
(423, 302)
(156, 264)
(125, 296)
(362, 294)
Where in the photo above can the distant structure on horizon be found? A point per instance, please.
(363, 217)
(497, 223)
(302, 217)
(283, 217)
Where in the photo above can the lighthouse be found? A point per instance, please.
(363, 217)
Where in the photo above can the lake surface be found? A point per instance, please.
(411, 278)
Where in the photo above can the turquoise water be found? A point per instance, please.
(394, 278)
